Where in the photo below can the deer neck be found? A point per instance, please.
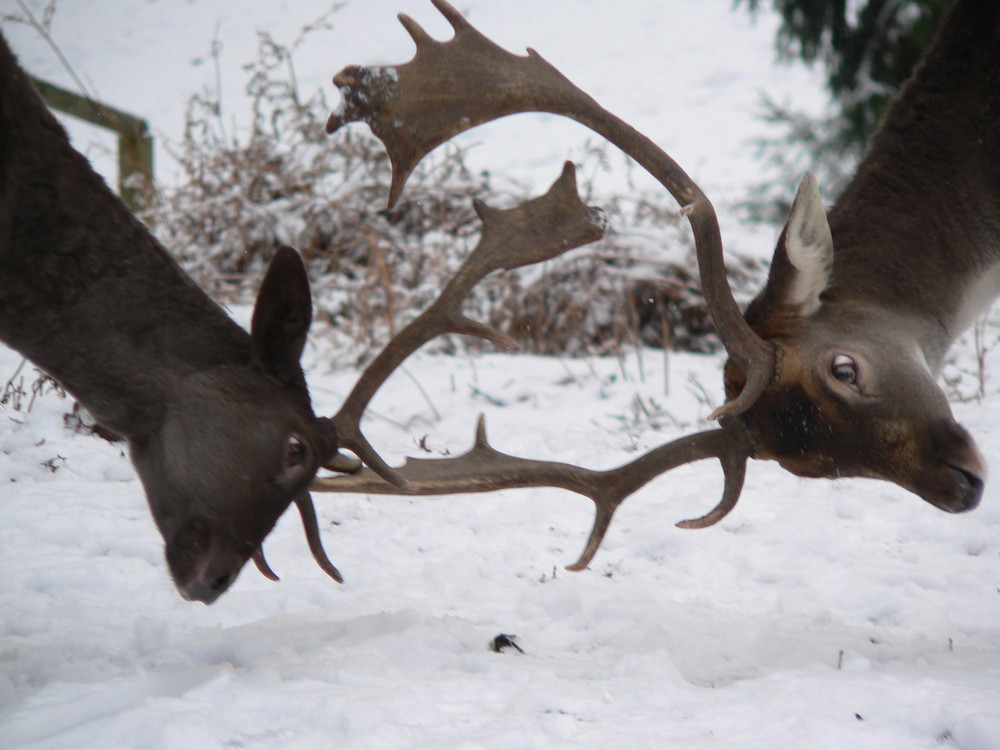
(72, 258)
(931, 315)
(124, 355)
(915, 233)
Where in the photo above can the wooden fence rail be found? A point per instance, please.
(135, 144)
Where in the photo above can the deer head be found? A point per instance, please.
(832, 370)
(855, 394)
(234, 445)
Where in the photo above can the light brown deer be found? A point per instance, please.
(832, 371)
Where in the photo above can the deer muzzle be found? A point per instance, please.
(204, 561)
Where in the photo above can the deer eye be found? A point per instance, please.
(844, 369)
(295, 451)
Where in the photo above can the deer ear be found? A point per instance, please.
(282, 316)
(800, 270)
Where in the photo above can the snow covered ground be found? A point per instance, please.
(819, 614)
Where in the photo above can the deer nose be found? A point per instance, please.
(211, 576)
(970, 490)
(204, 560)
(208, 590)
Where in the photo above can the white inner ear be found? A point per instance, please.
(809, 246)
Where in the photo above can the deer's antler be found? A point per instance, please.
(484, 469)
(446, 89)
(452, 86)
(537, 230)
(311, 526)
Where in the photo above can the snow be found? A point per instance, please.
(818, 614)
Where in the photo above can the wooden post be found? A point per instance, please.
(135, 144)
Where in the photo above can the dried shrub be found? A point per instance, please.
(19, 394)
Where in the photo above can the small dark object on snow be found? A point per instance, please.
(503, 641)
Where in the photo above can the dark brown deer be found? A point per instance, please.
(219, 422)
(832, 370)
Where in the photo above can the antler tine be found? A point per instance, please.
(484, 469)
(421, 37)
(453, 16)
(730, 444)
(450, 87)
(415, 30)
(311, 526)
(261, 562)
(734, 468)
(536, 230)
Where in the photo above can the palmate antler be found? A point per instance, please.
(311, 526)
(450, 87)
(446, 89)
(536, 230)
(484, 469)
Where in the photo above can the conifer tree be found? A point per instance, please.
(867, 49)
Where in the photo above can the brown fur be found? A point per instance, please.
(915, 256)
(219, 423)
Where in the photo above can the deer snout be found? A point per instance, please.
(964, 468)
(969, 490)
(203, 561)
(208, 588)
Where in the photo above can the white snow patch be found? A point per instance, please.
(817, 615)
